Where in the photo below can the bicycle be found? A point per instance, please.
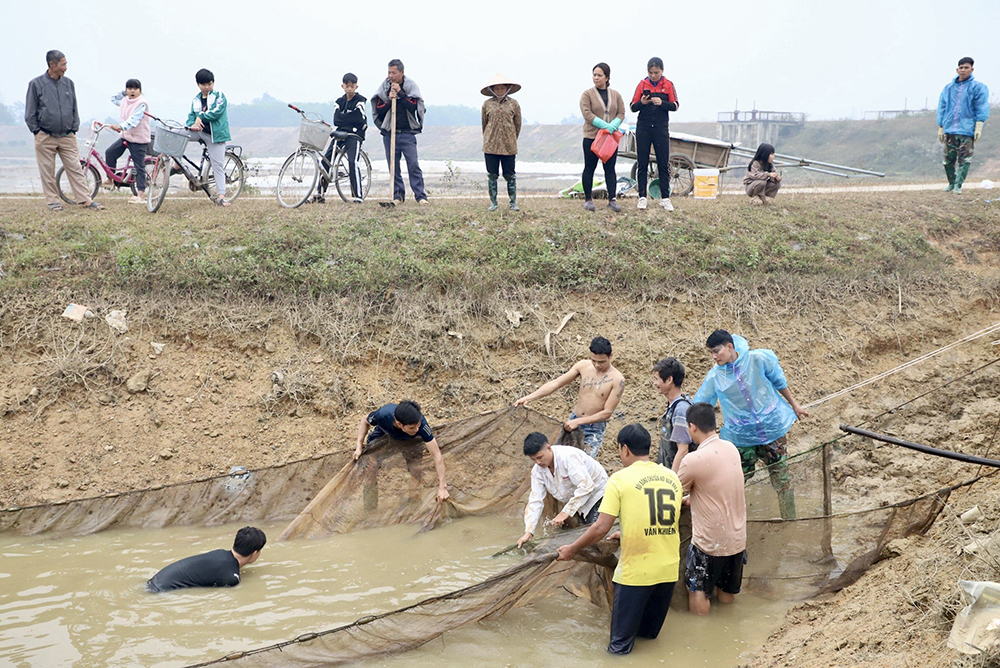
(303, 169)
(170, 141)
(92, 166)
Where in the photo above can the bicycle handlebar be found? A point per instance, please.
(292, 106)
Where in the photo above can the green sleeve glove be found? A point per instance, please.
(941, 135)
(613, 126)
(979, 131)
(600, 123)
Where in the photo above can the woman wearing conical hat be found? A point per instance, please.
(501, 128)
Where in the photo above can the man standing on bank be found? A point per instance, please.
(963, 108)
(758, 409)
(409, 123)
(601, 388)
(711, 474)
(51, 113)
(646, 499)
(654, 99)
(569, 475)
(404, 422)
(218, 568)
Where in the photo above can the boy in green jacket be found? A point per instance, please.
(209, 123)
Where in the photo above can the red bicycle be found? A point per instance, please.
(92, 165)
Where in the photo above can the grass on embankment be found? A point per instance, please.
(258, 248)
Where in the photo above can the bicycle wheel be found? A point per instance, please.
(297, 178)
(159, 182)
(236, 175)
(342, 175)
(90, 177)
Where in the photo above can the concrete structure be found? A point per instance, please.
(750, 128)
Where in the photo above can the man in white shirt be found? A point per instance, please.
(568, 474)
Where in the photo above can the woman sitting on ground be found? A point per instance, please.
(602, 109)
(761, 179)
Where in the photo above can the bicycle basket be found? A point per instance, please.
(169, 142)
(314, 134)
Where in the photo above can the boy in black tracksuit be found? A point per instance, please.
(348, 116)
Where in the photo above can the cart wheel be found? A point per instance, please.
(681, 175)
(651, 173)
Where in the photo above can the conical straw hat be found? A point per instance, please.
(500, 79)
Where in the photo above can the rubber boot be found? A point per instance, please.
(782, 483)
(512, 191)
(786, 505)
(960, 173)
(949, 171)
(492, 182)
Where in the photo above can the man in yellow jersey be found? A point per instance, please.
(646, 499)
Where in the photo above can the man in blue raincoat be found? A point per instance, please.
(757, 407)
(963, 108)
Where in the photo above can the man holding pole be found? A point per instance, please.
(398, 108)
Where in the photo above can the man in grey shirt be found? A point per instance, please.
(668, 376)
(51, 114)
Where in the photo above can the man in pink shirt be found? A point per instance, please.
(712, 476)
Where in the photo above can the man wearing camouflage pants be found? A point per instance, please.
(963, 108)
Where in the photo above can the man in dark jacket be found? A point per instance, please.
(409, 123)
(52, 116)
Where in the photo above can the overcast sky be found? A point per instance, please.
(828, 59)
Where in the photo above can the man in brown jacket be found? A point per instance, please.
(501, 128)
(51, 114)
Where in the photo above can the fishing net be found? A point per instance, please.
(395, 481)
(535, 576)
(274, 493)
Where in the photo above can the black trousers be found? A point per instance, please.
(138, 153)
(494, 162)
(638, 612)
(353, 151)
(657, 136)
(590, 161)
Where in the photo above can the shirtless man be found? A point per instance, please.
(601, 387)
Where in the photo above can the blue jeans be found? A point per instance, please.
(406, 147)
(593, 435)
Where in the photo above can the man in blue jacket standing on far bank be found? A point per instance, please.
(963, 107)
(757, 407)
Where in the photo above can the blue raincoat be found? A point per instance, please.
(962, 104)
(747, 391)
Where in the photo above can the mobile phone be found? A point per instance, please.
(646, 93)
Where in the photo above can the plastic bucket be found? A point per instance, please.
(706, 183)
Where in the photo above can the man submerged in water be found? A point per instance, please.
(218, 568)
(601, 388)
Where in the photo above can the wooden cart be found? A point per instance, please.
(687, 152)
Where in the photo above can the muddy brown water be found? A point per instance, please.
(80, 601)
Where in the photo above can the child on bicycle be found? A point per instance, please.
(209, 123)
(348, 116)
(134, 127)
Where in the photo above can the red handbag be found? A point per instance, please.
(606, 144)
